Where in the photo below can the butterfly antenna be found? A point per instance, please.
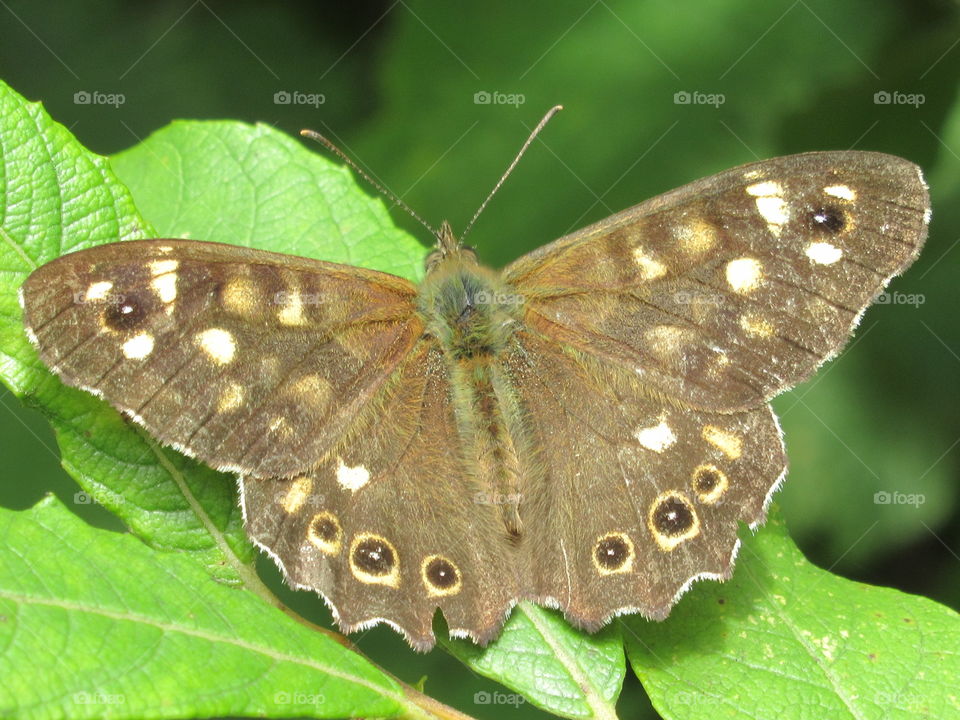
(536, 131)
(314, 135)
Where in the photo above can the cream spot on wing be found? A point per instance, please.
(696, 237)
(765, 189)
(231, 398)
(725, 441)
(166, 287)
(770, 204)
(162, 267)
(98, 290)
(239, 296)
(352, 478)
(297, 494)
(744, 274)
(218, 344)
(138, 347)
(657, 438)
(824, 253)
(311, 388)
(756, 326)
(666, 341)
(291, 310)
(752, 174)
(843, 192)
(650, 269)
(165, 249)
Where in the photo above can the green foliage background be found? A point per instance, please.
(399, 84)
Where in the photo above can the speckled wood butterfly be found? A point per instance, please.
(585, 429)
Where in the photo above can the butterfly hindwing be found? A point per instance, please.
(726, 292)
(392, 525)
(251, 361)
(638, 497)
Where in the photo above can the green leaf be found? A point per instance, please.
(252, 185)
(559, 669)
(95, 624)
(58, 197)
(783, 629)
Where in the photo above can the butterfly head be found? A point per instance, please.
(449, 249)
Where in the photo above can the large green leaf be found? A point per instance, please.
(785, 639)
(95, 624)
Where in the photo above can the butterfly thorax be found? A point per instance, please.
(471, 314)
(465, 306)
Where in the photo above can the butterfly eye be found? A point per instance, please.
(128, 313)
(672, 520)
(440, 575)
(373, 559)
(828, 219)
(613, 553)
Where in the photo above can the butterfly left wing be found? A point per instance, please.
(392, 525)
(248, 360)
(727, 291)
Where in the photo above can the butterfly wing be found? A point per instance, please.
(636, 498)
(389, 527)
(248, 360)
(727, 291)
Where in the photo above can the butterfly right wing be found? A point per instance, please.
(251, 361)
(723, 293)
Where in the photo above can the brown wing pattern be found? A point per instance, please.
(391, 526)
(249, 360)
(727, 291)
(640, 497)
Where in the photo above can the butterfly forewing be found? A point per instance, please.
(251, 361)
(725, 292)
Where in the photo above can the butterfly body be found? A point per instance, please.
(587, 429)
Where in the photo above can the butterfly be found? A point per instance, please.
(585, 429)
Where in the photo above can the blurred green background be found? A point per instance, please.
(435, 98)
